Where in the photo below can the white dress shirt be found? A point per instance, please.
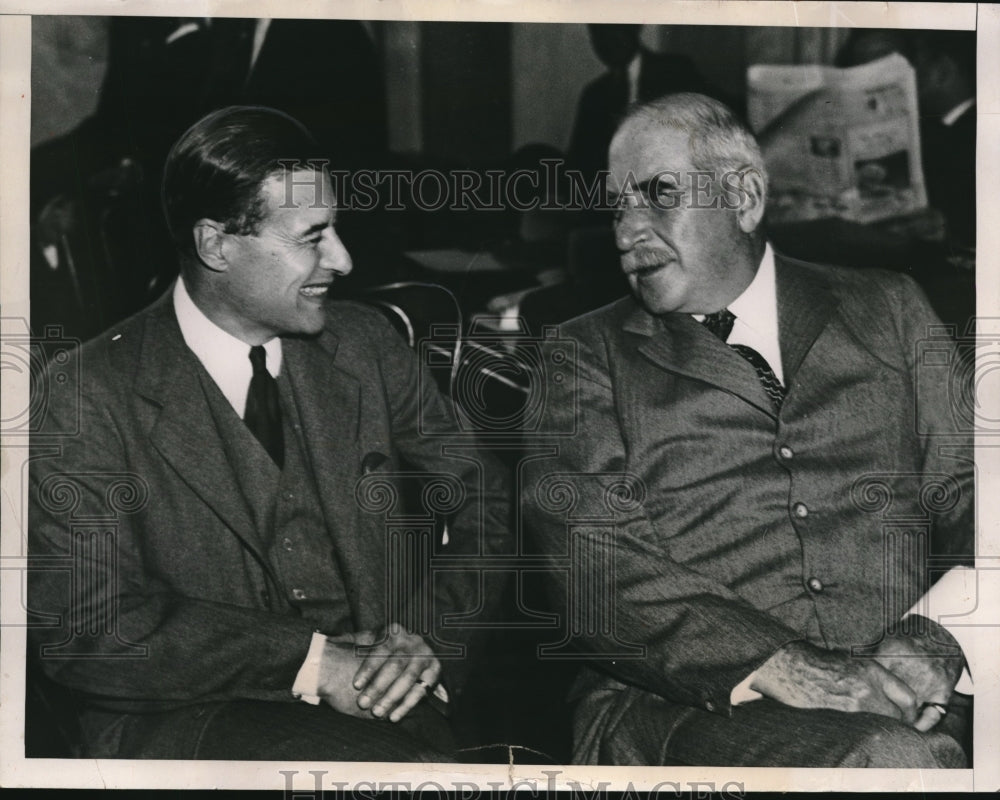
(756, 312)
(224, 357)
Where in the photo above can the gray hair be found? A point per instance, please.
(720, 142)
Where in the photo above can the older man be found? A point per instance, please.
(743, 425)
(220, 437)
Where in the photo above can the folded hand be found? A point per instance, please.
(383, 675)
(930, 662)
(806, 676)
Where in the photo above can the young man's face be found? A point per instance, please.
(278, 278)
(677, 256)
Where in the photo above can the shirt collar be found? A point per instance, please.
(756, 312)
(758, 302)
(952, 116)
(225, 358)
(757, 307)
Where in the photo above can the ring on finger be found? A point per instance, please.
(941, 708)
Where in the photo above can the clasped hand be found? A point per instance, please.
(909, 675)
(387, 681)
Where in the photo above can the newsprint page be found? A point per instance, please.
(500, 396)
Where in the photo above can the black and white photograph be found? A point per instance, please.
(405, 397)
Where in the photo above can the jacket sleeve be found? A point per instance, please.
(102, 622)
(946, 413)
(642, 616)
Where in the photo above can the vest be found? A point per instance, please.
(285, 508)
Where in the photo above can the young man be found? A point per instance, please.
(222, 436)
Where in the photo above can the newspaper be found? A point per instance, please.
(839, 142)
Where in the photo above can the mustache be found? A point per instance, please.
(635, 260)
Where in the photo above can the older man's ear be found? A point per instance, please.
(209, 240)
(753, 196)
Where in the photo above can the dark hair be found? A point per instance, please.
(217, 168)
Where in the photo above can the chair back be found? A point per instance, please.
(428, 318)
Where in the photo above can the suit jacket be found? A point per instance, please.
(723, 530)
(338, 94)
(163, 75)
(129, 451)
(949, 159)
(602, 104)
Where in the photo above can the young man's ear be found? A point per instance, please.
(209, 240)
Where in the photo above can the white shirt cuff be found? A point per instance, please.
(742, 693)
(306, 686)
(949, 602)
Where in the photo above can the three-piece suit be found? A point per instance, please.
(177, 571)
(724, 528)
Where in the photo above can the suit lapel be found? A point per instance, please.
(805, 304)
(680, 344)
(184, 432)
(328, 401)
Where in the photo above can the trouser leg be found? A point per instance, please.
(260, 730)
(635, 727)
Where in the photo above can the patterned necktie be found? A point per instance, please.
(721, 324)
(263, 412)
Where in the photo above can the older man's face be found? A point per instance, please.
(278, 278)
(677, 256)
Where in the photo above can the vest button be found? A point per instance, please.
(298, 594)
(785, 452)
(800, 510)
(287, 544)
(288, 495)
(709, 705)
(265, 596)
(815, 585)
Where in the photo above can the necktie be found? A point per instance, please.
(721, 324)
(772, 386)
(263, 412)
